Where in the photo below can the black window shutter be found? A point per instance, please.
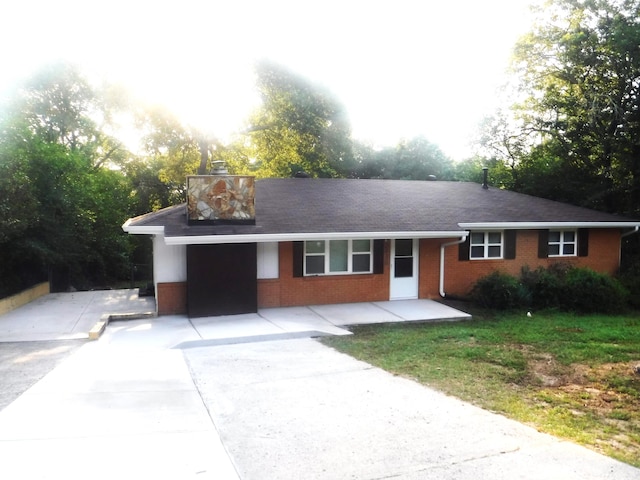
(298, 259)
(378, 256)
(463, 249)
(510, 244)
(543, 243)
(583, 242)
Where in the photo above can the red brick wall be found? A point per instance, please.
(604, 245)
(269, 293)
(429, 282)
(171, 298)
(292, 291)
(604, 257)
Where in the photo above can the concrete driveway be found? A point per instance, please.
(152, 398)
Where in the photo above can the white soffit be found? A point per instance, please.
(288, 237)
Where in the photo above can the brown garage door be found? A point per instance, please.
(221, 279)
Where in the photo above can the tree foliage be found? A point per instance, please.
(299, 127)
(414, 159)
(579, 73)
(61, 207)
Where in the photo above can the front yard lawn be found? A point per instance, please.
(575, 377)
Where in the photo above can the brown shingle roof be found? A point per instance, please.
(305, 205)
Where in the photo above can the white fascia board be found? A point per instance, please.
(143, 230)
(541, 225)
(289, 237)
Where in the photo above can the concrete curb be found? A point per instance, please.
(97, 330)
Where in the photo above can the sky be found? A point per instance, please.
(401, 68)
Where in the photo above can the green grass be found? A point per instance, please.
(568, 375)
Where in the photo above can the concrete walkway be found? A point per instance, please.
(152, 399)
(68, 316)
(64, 316)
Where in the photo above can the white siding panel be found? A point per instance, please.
(169, 261)
(268, 260)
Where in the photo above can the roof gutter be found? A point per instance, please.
(289, 237)
(462, 239)
(541, 225)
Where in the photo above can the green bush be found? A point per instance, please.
(589, 291)
(560, 286)
(630, 280)
(500, 291)
(544, 286)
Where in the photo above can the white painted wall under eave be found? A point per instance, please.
(169, 261)
(268, 265)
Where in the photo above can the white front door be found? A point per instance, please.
(404, 269)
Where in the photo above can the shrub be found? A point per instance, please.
(630, 279)
(589, 291)
(544, 286)
(500, 291)
(559, 286)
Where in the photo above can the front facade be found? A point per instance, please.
(322, 241)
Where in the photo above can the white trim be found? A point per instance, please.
(399, 286)
(288, 237)
(143, 229)
(561, 243)
(326, 254)
(486, 245)
(539, 225)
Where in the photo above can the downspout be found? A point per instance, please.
(442, 247)
(635, 230)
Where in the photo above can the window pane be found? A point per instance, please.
(315, 265)
(495, 237)
(569, 236)
(477, 252)
(362, 262)
(477, 238)
(554, 249)
(362, 245)
(316, 246)
(404, 247)
(494, 252)
(554, 236)
(404, 267)
(568, 249)
(338, 250)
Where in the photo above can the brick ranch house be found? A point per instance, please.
(239, 244)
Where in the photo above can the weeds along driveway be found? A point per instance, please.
(298, 409)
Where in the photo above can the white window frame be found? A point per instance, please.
(562, 242)
(486, 245)
(327, 259)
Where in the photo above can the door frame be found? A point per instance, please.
(404, 288)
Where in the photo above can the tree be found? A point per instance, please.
(172, 151)
(414, 159)
(60, 106)
(61, 208)
(579, 70)
(299, 127)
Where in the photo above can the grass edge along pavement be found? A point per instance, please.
(573, 376)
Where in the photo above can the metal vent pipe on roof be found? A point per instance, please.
(485, 175)
(219, 168)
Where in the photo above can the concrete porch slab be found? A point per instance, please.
(355, 314)
(299, 319)
(417, 310)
